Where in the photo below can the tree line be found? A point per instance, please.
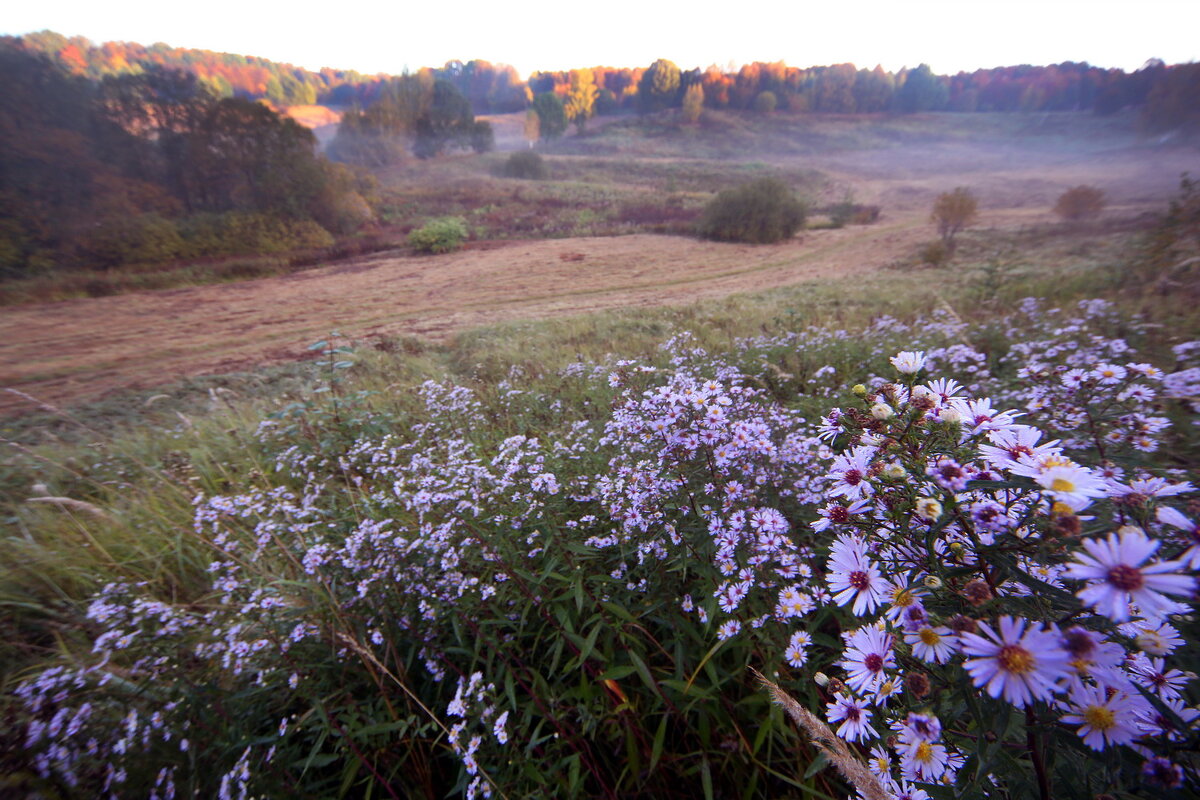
(1168, 95)
(151, 166)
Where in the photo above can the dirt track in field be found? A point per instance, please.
(82, 349)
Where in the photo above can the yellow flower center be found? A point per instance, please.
(903, 598)
(1016, 659)
(1100, 718)
(929, 636)
(1062, 485)
(924, 752)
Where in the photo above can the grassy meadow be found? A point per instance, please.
(510, 561)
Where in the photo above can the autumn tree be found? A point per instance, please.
(835, 89)
(552, 119)
(658, 87)
(1080, 203)
(580, 103)
(693, 103)
(953, 211)
(873, 90)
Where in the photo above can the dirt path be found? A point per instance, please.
(78, 349)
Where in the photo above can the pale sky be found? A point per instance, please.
(371, 36)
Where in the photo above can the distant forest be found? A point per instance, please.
(119, 154)
(1170, 93)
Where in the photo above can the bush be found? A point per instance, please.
(483, 138)
(765, 102)
(760, 212)
(952, 212)
(1080, 203)
(527, 165)
(934, 254)
(439, 236)
(148, 239)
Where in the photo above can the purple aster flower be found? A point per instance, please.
(1191, 533)
(1159, 771)
(853, 576)
(934, 643)
(1017, 664)
(868, 654)
(854, 716)
(1118, 576)
(1104, 720)
(848, 474)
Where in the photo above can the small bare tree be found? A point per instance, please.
(952, 212)
(1080, 203)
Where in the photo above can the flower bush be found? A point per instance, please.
(968, 549)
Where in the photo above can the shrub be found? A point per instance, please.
(952, 212)
(525, 164)
(439, 236)
(765, 102)
(1080, 203)
(148, 239)
(934, 254)
(482, 138)
(760, 212)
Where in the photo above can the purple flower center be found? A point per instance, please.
(873, 662)
(1126, 578)
(859, 580)
(853, 477)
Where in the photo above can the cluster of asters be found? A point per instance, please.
(711, 453)
(402, 565)
(476, 719)
(967, 548)
(974, 553)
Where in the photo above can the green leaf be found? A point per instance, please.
(617, 673)
(643, 671)
(660, 736)
(819, 763)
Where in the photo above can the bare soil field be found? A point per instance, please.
(82, 349)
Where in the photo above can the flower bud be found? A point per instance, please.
(859, 390)
(882, 411)
(933, 582)
(894, 471)
(822, 679)
(951, 416)
(917, 684)
(977, 592)
(928, 509)
(957, 548)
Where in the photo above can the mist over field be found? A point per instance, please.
(614, 432)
